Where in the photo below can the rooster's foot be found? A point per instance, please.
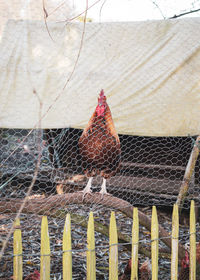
(103, 188)
(87, 189)
(103, 193)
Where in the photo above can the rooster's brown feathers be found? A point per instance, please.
(99, 145)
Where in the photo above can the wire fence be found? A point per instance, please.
(151, 172)
(31, 242)
(52, 71)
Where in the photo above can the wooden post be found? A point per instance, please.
(17, 252)
(188, 173)
(175, 235)
(154, 243)
(135, 240)
(192, 242)
(91, 256)
(45, 251)
(113, 242)
(67, 250)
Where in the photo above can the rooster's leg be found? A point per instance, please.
(103, 187)
(87, 189)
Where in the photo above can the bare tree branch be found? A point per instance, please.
(57, 8)
(188, 174)
(185, 13)
(24, 201)
(45, 19)
(46, 206)
(80, 48)
(158, 7)
(101, 9)
(59, 94)
(77, 16)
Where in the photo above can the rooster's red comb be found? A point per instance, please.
(102, 97)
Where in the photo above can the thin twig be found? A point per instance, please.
(45, 19)
(22, 206)
(58, 96)
(80, 48)
(58, 7)
(75, 17)
(158, 7)
(30, 187)
(101, 9)
(185, 13)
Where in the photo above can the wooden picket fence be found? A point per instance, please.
(113, 247)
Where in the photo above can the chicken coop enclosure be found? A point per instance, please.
(89, 107)
(151, 171)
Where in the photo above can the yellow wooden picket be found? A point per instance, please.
(113, 255)
(91, 257)
(67, 250)
(113, 247)
(192, 242)
(17, 251)
(135, 240)
(175, 235)
(45, 251)
(154, 243)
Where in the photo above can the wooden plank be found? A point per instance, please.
(17, 252)
(67, 249)
(135, 242)
(192, 242)
(154, 243)
(159, 186)
(144, 186)
(91, 256)
(141, 183)
(45, 251)
(113, 254)
(153, 166)
(175, 235)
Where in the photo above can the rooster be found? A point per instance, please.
(144, 271)
(99, 145)
(185, 265)
(33, 276)
(185, 268)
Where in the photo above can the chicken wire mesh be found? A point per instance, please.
(151, 169)
(56, 175)
(46, 163)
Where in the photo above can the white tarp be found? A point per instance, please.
(150, 72)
